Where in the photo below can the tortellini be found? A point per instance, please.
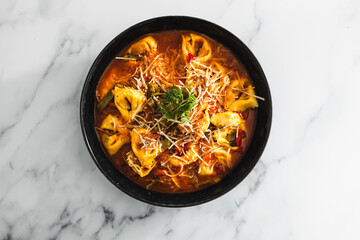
(190, 155)
(218, 67)
(221, 155)
(129, 102)
(145, 45)
(145, 151)
(110, 123)
(200, 123)
(113, 142)
(238, 101)
(134, 163)
(196, 45)
(206, 169)
(220, 136)
(227, 136)
(226, 119)
(204, 122)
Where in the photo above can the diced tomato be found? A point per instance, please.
(155, 136)
(207, 158)
(180, 151)
(219, 169)
(241, 114)
(187, 146)
(214, 109)
(239, 137)
(159, 172)
(189, 57)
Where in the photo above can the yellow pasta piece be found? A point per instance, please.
(190, 155)
(145, 151)
(204, 122)
(134, 163)
(226, 119)
(129, 102)
(114, 142)
(206, 169)
(223, 157)
(240, 96)
(196, 45)
(201, 120)
(111, 122)
(147, 44)
(221, 135)
(120, 136)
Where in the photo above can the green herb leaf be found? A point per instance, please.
(231, 137)
(104, 102)
(165, 143)
(130, 58)
(177, 104)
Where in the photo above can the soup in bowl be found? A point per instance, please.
(175, 111)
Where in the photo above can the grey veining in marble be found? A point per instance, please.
(305, 186)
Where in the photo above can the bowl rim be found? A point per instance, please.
(148, 196)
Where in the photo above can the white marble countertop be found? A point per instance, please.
(305, 186)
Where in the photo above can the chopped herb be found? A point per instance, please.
(231, 138)
(105, 101)
(153, 89)
(165, 143)
(149, 185)
(151, 102)
(130, 58)
(177, 105)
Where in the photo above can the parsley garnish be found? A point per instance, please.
(177, 104)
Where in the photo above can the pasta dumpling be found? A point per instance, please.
(114, 142)
(196, 45)
(206, 169)
(111, 123)
(204, 122)
(129, 102)
(134, 163)
(227, 136)
(145, 45)
(218, 67)
(226, 119)
(116, 137)
(200, 123)
(222, 156)
(190, 155)
(240, 96)
(144, 149)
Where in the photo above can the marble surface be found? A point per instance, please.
(305, 186)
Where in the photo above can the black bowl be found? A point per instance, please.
(256, 146)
